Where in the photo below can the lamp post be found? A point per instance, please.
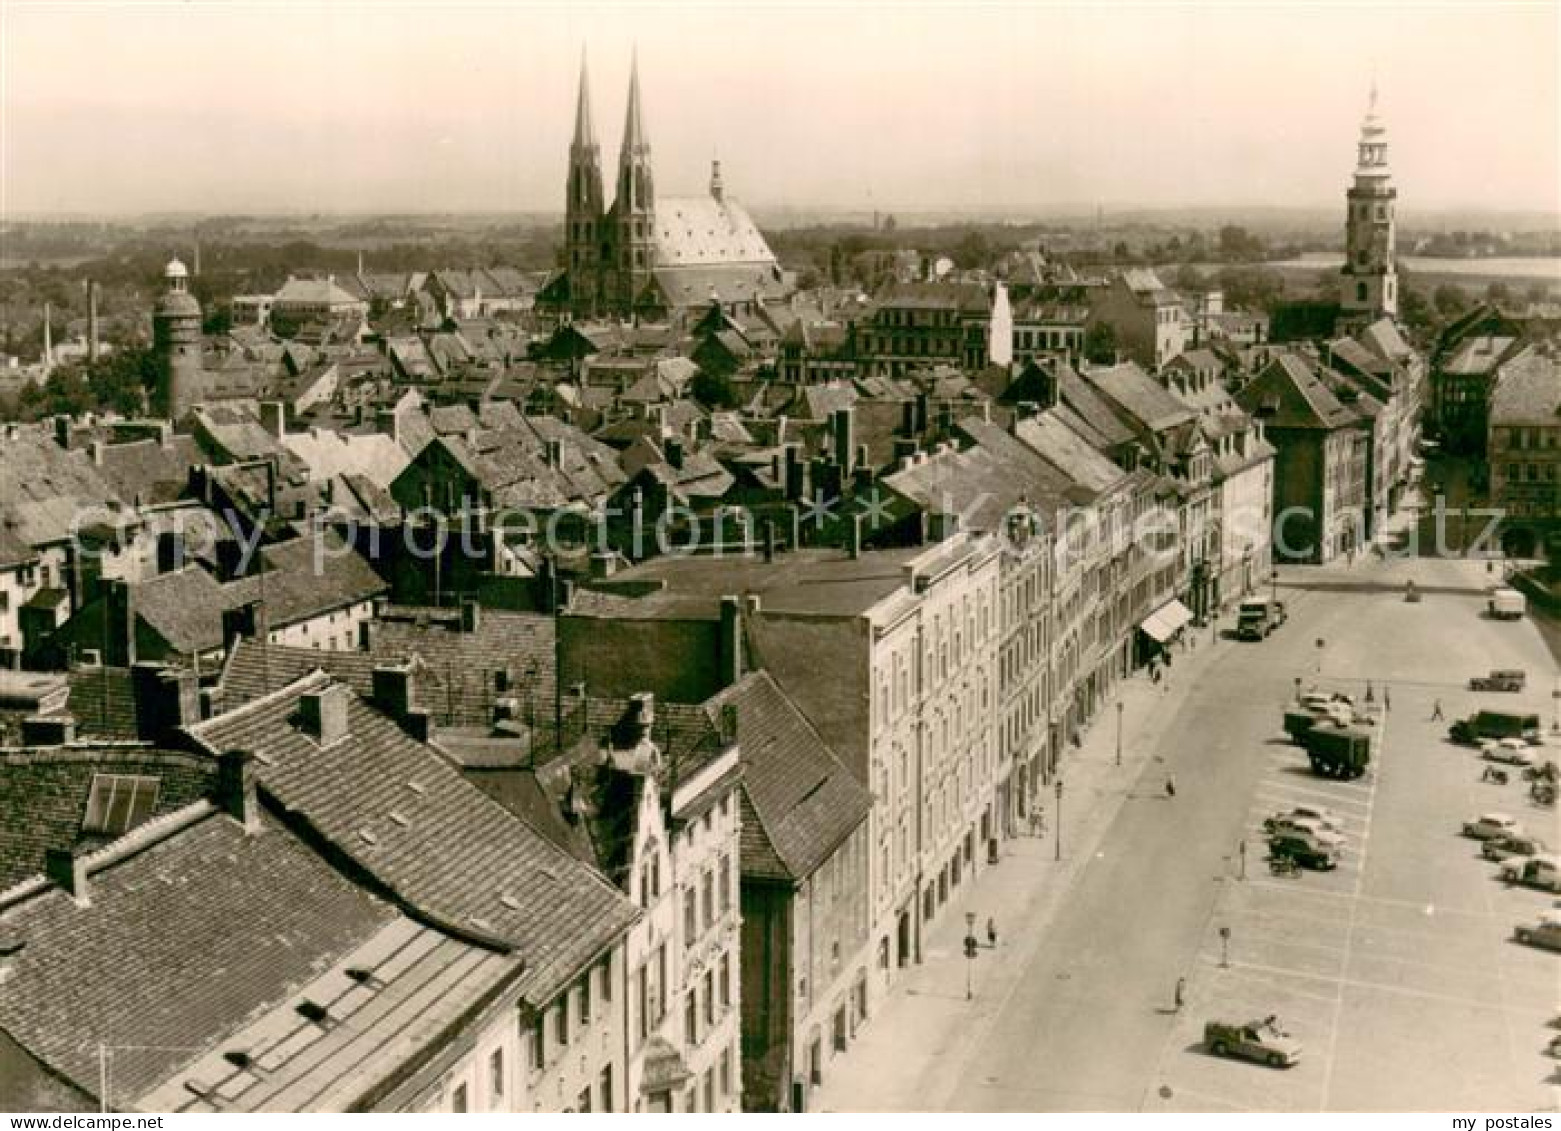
(1225, 947)
(970, 950)
(1059, 818)
(1119, 732)
(1273, 581)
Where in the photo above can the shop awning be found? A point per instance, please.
(1166, 621)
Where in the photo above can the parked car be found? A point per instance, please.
(1501, 679)
(1304, 828)
(1506, 847)
(1303, 851)
(1327, 818)
(1263, 1041)
(1542, 872)
(1545, 933)
(1324, 700)
(1489, 826)
(1509, 751)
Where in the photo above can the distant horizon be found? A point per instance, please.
(319, 107)
(1016, 214)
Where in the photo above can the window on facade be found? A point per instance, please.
(661, 981)
(726, 1072)
(709, 997)
(726, 884)
(642, 998)
(606, 1086)
(726, 981)
(691, 1017)
(690, 916)
(585, 999)
(583, 1100)
(496, 1074)
(707, 887)
(561, 1020)
(710, 1089)
(538, 1044)
(607, 978)
(458, 1099)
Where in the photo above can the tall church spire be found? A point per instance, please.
(634, 138)
(585, 132)
(584, 208)
(634, 210)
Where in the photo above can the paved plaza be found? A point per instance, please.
(1397, 971)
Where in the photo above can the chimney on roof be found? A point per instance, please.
(731, 642)
(673, 447)
(92, 321)
(235, 789)
(119, 643)
(796, 478)
(844, 433)
(395, 695)
(273, 418)
(95, 452)
(642, 716)
(322, 714)
(67, 867)
(62, 431)
(48, 730)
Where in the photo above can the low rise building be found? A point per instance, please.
(1525, 454)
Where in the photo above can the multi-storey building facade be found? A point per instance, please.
(1525, 454)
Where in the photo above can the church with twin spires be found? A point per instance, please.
(650, 256)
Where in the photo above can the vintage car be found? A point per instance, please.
(1263, 1041)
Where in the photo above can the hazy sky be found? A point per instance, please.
(218, 106)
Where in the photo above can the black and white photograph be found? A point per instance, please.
(747, 557)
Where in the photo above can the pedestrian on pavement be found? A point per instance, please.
(991, 932)
(1170, 786)
(1181, 993)
(1387, 699)
(1436, 710)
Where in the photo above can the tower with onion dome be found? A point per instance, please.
(1370, 278)
(176, 335)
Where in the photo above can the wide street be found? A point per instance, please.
(1396, 972)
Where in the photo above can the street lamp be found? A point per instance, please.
(1273, 579)
(1119, 732)
(1225, 947)
(970, 950)
(1059, 819)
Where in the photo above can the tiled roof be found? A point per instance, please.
(185, 606)
(429, 836)
(144, 470)
(700, 231)
(1069, 452)
(313, 292)
(43, 795)
(1528, 391)
(1287, 394)
(101, 702)
(694, 284)
(822, 666)
(966, 298)
(461, 684)
(327, 454)
(45, 488)
(1085, 401)
(801, 799)
(181, 943)
(1140, 396)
